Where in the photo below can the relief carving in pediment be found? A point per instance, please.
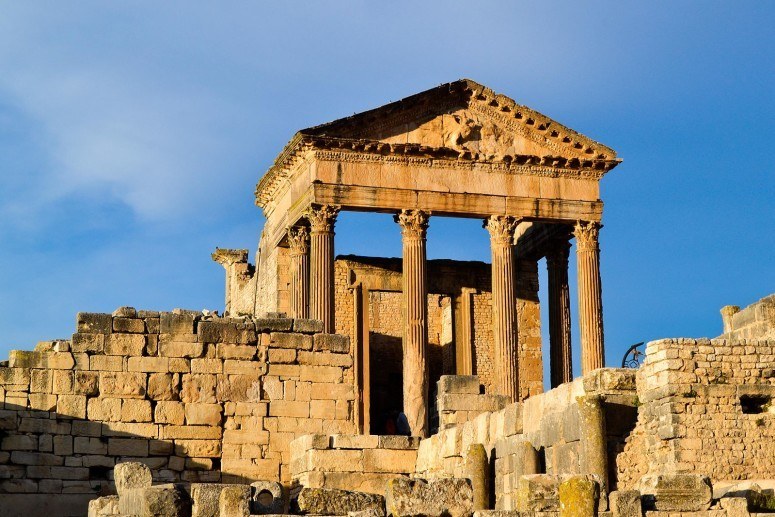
(466, 130)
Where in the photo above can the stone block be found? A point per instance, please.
(203, 414)
(107, 363)
(198, 448)
(290, 340)
(443, 497)
(93, 322)
(277, 324)
(289, 408)
(169, 412)
(164, 386)
(394, 461)
(125, 312)
(72, 406)
(459, 384)
(399, 442)
(332, 374)
(88, 342)
(676, 492)
(198, 388)
(282, 355)
(206, 366)
(157, 501)
(170, 323)
(579, 497)
(355, 441)
(86, 383)
(625, 503)
(131, 474)
(218, 331)
(148, 364)
(42, 402)
(124, 344)
(336, 343)
(538, 493)
(322, 501)
(234, 501)
(307, 326)
(129, 325)
(127, 447)
(122, 384)
(174, 346)
(192, 432)
(267, 497)
(205, 499)
(134, 410)
(228, 351)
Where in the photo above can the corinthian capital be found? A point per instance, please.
(414, 223)
(298, 240)
(501, 228)
(586, 233)
(322, 217)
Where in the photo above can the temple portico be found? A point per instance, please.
(458, 150)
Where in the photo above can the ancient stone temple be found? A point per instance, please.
(457, 150)
(373, 386)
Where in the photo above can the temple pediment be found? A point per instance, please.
(467, 117)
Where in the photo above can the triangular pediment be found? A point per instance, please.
(469, 118)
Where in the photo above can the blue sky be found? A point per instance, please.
(132, 135)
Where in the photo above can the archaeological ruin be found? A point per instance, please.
(374, 386)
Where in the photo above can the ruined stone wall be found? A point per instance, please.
(706, 406)
(196, 398)
(548, 423)
(757, 321)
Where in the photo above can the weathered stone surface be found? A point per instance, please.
(131, 475)
(415, 497)
(307, 326)
(234, 501)
(205, 498)
(477, 471)
(538, 493)
(267, 497)
(96, 323)
(676, 492)
(336, 343)
(625, 503)
(579, 497)
(107, 505)
(326, 501)
(157, 501)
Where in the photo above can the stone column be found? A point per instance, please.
(414, 224)
(590, 296)
(504, 305)
(594, 442)
(298, 242)
(321, 304)
(559, 314)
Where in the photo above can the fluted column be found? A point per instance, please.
(298, 241)
(414, 224)
(590, 295)
(321, 303)
(559, 314)
(504, 304)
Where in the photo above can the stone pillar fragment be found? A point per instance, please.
(559, 315)
(298, 241)
(594, 442)
(504, 304)
(590, 296)
(579, 497)
(477, 470)
(414, 225)
(531, 459)
(321, 219)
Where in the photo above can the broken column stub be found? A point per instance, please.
(451, 497)
(676, 492)
(329, 501)
(267, 497)
(131, 475)
(169, 500)
(234, 501)
(579, 497)
(477, 470)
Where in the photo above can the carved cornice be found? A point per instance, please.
(322, 217)
(229, 257)
(501, 228)
(578, 155)
(298, 240)
(587, 233)
(414, 223)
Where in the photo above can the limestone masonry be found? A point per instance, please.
(373, 386)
